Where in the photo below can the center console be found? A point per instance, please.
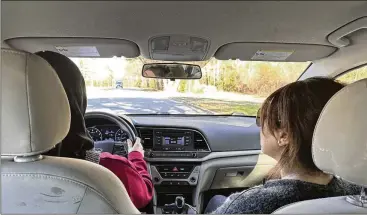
(173, 155)
(173, 180)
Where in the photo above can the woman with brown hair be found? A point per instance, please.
(287, 120)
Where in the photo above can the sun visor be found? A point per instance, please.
(77, 47)
(273, 52)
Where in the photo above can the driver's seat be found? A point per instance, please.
(35, 116)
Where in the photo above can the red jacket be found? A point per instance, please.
(134, 175)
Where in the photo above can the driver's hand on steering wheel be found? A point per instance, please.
(136, 147)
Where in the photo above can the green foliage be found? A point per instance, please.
(222, 106)
(353, 76)
(259, 78)
(138, 83)
(182, 87)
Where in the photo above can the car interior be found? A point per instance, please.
(206, 155)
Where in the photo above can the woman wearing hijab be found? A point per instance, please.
(132, 171)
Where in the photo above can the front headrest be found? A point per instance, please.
(339, 142)
(35, 113)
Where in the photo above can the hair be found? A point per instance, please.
(295, 109)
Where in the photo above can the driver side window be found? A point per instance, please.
(353, 75)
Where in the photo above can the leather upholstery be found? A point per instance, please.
(339, 143)
(339, 147)
(62, 186)
(333, 205)
(35, 116)
(35, 113)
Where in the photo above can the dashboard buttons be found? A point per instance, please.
(164, 169)
(179, 153)
(192, 179)
(156, 179)
(167, 183)
(174, 175)
(196, 170)
(184, 175)
(185, 168)
(175, 183)
(185, 183)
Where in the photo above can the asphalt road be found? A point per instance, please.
(134, 101)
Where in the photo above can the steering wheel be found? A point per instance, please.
(124, 123)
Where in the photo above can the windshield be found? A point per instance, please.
(230, 87)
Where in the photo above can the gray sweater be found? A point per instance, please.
(274, 194)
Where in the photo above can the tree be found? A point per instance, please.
(182, 87)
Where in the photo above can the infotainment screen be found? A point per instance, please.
(168, 140)
(173, 140)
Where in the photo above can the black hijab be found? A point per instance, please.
(77, 140)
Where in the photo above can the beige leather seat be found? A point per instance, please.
(340, 148)
(35, 116)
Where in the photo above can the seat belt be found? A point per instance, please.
(58, 149)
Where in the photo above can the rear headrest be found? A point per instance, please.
(35, 113)
(340, 139)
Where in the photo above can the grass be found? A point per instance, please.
(222, 106)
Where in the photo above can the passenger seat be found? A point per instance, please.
(339, 147)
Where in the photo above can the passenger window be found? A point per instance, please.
(353, 75)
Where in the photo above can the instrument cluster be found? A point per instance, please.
(107, 132)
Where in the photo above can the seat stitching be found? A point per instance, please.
(81, 202)
(39, 175)
(28, 102)
(13, 52)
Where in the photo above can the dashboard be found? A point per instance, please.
(221, 133)
(189, 155)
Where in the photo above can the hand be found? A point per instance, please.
(138, 147)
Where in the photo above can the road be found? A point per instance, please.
(135, 101)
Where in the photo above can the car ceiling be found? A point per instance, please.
(221, 23)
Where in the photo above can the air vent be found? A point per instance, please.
(147, 138)
(200, 143)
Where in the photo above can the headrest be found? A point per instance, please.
(35, 113)
(340, 138)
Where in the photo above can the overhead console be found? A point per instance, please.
(178, 48)
(173, 143)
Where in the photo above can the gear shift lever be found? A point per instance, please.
(180, 203)
(177, 207)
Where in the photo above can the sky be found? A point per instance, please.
(99, 67)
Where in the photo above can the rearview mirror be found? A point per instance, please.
(171, 71)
